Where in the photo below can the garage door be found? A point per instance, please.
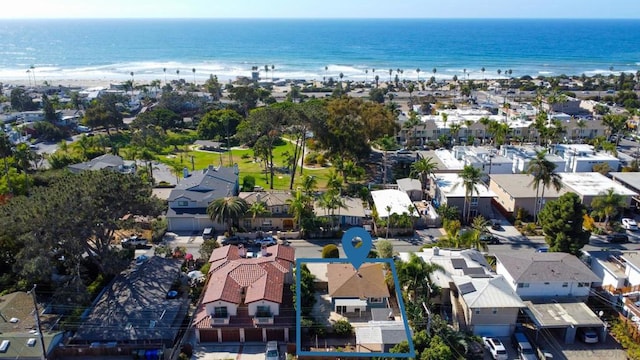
(230, 335)
(180, 224)
(492, 330)
(275, 334)
(252, 335)
(207, 336)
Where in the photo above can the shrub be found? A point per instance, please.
(330, 252)
(342, 328)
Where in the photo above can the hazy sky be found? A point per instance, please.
(321, 9)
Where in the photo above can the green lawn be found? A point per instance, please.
(247, 166)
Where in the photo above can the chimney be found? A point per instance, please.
(212, 168)
(185, 172)
(436, 251)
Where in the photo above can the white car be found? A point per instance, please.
(495, 347)
(629, 224)
(271, 352)
(268, 241)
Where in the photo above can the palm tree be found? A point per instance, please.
(227, 210)
(607, 205)
(309, 185)
(257, 209)
(194, 75)
(178, 73)
(415, 275)
(471, 177)
(165, 75)
(418, 72)
(326, 68)
(273, 71)
(33, 73)
(388, 209)
(298, 206)
(366, 75)
(543, 172)
(482, 70)
(423, 169)
(390, 72)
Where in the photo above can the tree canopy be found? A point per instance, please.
(561, 222)
(71, 220)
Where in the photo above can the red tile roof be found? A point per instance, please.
(262, 278)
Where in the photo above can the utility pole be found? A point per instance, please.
(37, 314)
(428, 318)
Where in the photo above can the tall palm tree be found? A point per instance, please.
(607, 205)
(298, 206)
(258, 209)
(418, 72)
(423, 169)
(388, 209)
(543, 172)
(366, 75)
(309, 185)
(194, 75)
(273, 71)
(227, 210)
(471, 177)
(165, 75)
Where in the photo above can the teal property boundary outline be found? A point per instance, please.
(410, 354)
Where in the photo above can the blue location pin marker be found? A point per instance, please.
(356, 255)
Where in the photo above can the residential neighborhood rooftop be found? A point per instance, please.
(536, 267)
(487, 292)
(452, 262)
(261, 278)
(367, 282)
(556, 314)
(452, 186)
(521, 186)
(593, 183)
(398, 201)
(136, 307)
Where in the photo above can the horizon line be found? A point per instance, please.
(315, 18)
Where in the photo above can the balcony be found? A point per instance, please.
(263, 318)
(219, 320)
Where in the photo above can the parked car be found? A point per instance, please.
(495, 347)
(134, 241)
(523, 346)
(496, 224)
(489, 239)
(542, 249)
(207, 233)
(629, 224)
(268, 241)
(588, 335)
(618, 238)
(271, 352)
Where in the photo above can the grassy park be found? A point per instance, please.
(246, 164)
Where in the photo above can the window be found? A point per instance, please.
(523, 285)
(565, 284)
(474, 201)
(246, 223)
(494, 310)
(584, 284)
(477, 311)
(220, 312)
(183, 203)
(263, 311)
(375, 300)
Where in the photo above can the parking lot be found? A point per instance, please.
(246, 351)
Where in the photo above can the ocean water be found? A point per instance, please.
(314, 49)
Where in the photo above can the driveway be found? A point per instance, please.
(247, 351)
